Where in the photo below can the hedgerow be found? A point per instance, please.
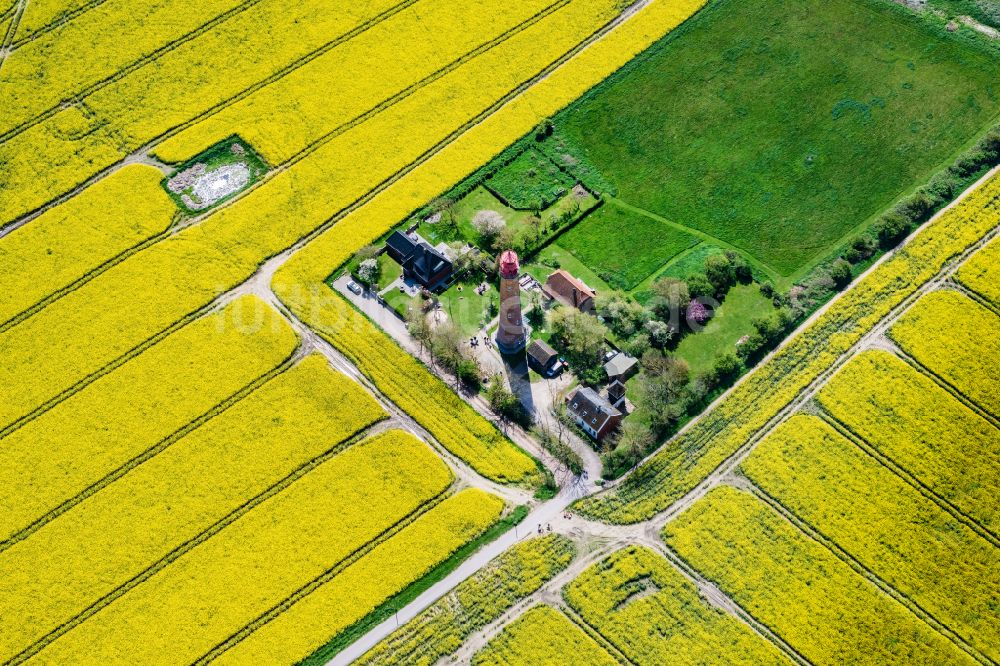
(683, 463)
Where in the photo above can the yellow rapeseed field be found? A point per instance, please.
(39, 14)
(981, 273)
(958, 340)
(420, 41)
(351, 594)
(128, 412)
(269, 553)
(49, 69)
(798, 588)
(880, 520)
(907, 417)
(542, 637)
(644, 607)
(441, 629)
(174, 497)
(772, 385)
(70, 240)
(81, 333)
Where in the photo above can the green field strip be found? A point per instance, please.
(340, 506)
(867, 514)
(957, 340)
(798, 588)
(910, 422)
(756, 263)
(130, 415)
(636, 600)
(223, 255)
(59, 52)
(176, 497)
(70, 241)
(315, 616)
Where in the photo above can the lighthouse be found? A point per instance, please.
(510, 334)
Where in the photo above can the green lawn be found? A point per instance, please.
(531, 182)
(730, 323)
(624, 247)
(390, 270)
(779, 126)
(466, 308)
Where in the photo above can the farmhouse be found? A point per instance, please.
(543, 359)
(563, 287)
(593, 413)
(421, 262)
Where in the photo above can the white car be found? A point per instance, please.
(354, 287)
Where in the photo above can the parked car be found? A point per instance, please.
(354, 287)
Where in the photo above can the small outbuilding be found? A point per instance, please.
(543, 359)
(621, 368)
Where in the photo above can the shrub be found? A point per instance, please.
(840, 271)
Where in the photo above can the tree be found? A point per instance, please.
(504, 403)
(660, 333)
(719, 273)
(508, 239)
(581, 337)
(699, 286)
(419, 327)
(890, 229)
(369, 272)
(488, 224)
(670, 297)
(840, 271)
(698, 313)
(661, 391)
(620, 313)
(635, 440)
(725, 368)
(742, 271)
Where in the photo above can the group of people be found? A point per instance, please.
(548, 528)
(474, 341)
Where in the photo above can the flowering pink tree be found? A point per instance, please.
(698, 313)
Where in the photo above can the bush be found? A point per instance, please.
(841, 273)
(720, 273)
(699, 287)
(742, 271)
(890, 229)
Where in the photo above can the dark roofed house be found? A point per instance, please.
(594, 414)
(621, 367)
(569, 291)
(419, 260)
(542, 358)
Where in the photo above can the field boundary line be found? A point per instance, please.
(807, 530)
(296, 245)
(202, 537)
(151, 452)
(75, 284)
(8, 37)
(909, 478)
(78, 96)
(758, 627)
(332, 572)
(60, 20)
(563, 607)
(945, 385)
(957, 285)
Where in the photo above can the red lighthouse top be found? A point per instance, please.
(509, 266)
